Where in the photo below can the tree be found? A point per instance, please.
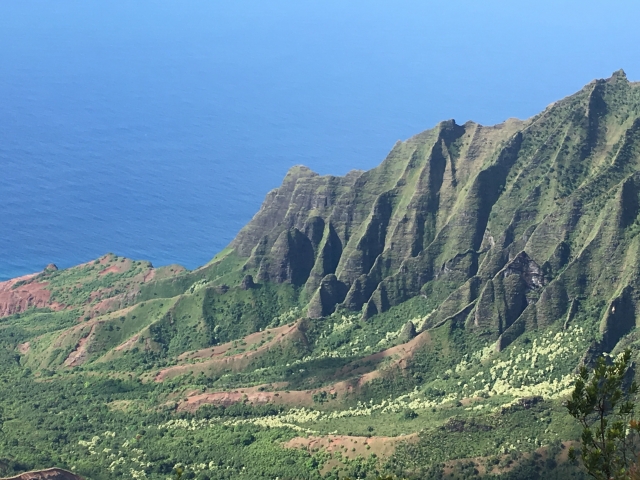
(178, 473)
(603, 401)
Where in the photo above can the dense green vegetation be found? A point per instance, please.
(604, 403)
(103, 423)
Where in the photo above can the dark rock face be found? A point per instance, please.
(619, 319)
(522, 404)
(527, 270)
(514, 220)
(247, 283)
(329, 294)
(372, 242)
(504, 297)
(529, 402)
(290, 260)
(328, 255)
(273, 211)
(408, 332)
(314, 231)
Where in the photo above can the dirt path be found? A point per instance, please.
(80, 354)
(129, 343)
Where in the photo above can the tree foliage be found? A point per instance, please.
(603, 401)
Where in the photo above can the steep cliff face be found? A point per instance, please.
(517, 220)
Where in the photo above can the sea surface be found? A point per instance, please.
(154, 129)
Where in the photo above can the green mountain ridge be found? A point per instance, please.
(433, 309)
(457, 206)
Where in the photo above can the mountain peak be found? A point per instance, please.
(299, 171)
(618, 75)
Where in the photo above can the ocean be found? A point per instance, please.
(153, 130)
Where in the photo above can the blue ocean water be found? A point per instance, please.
(154, 129)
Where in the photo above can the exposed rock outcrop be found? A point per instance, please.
(408, 332)
(330, 292)
(247, 283)
(290, 260)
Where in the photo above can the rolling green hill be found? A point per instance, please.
(422, 319)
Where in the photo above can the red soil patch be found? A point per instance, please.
(366, 367)
(149, 276)
(117, 268)
(49, 474)
(254, 396)
(22, 293)
(220, 357)
(564, 453)
(16, 299)
(24, 348)
(351, 446)
(250, 340)
(470, 400)
(111, 306)
(80, 354)
(105, 305)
